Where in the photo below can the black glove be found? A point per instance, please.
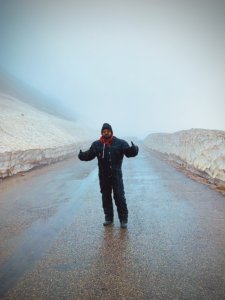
(80, 154)
(134, 146)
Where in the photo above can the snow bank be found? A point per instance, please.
(199, 148)
(30, 137)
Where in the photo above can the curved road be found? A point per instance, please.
(53, 244)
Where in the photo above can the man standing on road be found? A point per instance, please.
(110, 151)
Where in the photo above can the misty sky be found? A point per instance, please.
(143, 66)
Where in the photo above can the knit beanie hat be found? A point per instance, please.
(107, 126)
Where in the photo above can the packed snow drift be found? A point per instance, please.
(201, 149)
(30, 137)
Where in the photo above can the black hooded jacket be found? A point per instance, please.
(110, 158)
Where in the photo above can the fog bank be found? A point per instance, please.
(146, 66)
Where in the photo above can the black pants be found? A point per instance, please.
(115, 185)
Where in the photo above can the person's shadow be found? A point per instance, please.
(113, 250)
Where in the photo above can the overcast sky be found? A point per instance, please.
(143, 66)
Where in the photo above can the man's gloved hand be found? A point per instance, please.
(135, 147)
(132, 145)
(80, 154)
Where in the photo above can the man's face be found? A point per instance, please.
(106, 133)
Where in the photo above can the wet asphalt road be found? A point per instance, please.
(53, 244)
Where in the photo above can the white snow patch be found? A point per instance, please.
(30, 137)
(200, 148)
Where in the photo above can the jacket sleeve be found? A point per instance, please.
(89, 154)
(130, 151)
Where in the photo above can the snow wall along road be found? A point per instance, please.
(199, 149)
(30, 137)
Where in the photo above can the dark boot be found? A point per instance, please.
(108, 222)
(123, 224)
